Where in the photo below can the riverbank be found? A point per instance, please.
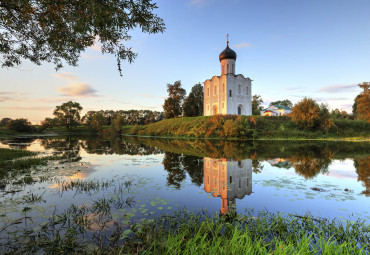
(249, 128)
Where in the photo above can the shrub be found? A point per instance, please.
(20, 125)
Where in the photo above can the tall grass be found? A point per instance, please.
(187, 232)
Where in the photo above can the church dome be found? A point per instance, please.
(227, 53)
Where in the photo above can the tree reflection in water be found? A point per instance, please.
(172, 164)
(310, 162)
(362, 166)
(68, 148)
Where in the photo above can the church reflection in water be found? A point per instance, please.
(227, 179)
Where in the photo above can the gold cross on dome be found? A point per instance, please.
(227, 36)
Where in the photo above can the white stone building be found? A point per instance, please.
(228, 93)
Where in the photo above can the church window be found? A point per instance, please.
(239, 110)
(239, 89)
(228, 70)
(230, 93)
(223, 87)
(207, 91)
(215, 91)
(240, 183)
(231, 179)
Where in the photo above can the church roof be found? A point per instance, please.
(227, 53)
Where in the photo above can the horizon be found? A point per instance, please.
(289, 49)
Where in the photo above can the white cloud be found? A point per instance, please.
(65, 76)
(198, 3)
(338, 88)
(77, 90)
(243, 45)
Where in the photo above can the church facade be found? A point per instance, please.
(228, 93)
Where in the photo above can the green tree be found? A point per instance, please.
(193, 104)
(117, 124)
(285, 102)
(48, 123)
(173, 104)
(20, 125)
(68, 114)
(57, 31)
(97, 122)
(308, 114)
(4, 121)
(256, 105)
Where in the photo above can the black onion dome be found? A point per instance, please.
(227, 53)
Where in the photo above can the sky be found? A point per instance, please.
(291, 49)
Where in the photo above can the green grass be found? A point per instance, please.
(9, 154)
(186, 232)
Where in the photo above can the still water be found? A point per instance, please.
(111, 183)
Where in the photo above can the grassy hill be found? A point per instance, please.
(249, 128)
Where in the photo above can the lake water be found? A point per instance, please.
(110, 184)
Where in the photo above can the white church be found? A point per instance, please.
(228, 93)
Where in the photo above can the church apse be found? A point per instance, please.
(227, 179)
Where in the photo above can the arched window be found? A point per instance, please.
(228, 70)
(232, 68)
(207, 91)
(239, 110)
(239, 89)
(230, 93)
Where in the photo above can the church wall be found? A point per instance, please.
(242, 97)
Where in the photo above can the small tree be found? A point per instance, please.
(173, 104)
(308, 114)
(193, 104)
(48, 123)
(97, 122)
(4, 121)
(117, 123)
(68, 114)
(256, 105)
(20, 125)
(363, 107)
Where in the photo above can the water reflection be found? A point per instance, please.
(362, 166)
(227, 179)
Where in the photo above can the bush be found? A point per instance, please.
(20, 125)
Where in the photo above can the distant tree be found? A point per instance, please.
(48, 123)
(68, 114)
(363, 107)
(285, 102)
(308, 114)
(118, 123)
(193, 104)
(173, 104)
(337, 114)
(58, 31)
(20, 125)
(97, 122)
(4, 121)
(256, 105)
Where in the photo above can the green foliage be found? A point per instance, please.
(285, 102)
(96, 124)
(256, 105)
(4, 121)
(48, 123)
(57, 31)
(193, 104)
(118, 123)
(307, 114)
(68, 114)
(20, 125)
(173, 104)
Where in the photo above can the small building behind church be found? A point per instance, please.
(276, 110)
(228, 93)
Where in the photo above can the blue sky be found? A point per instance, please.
(291, 49)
